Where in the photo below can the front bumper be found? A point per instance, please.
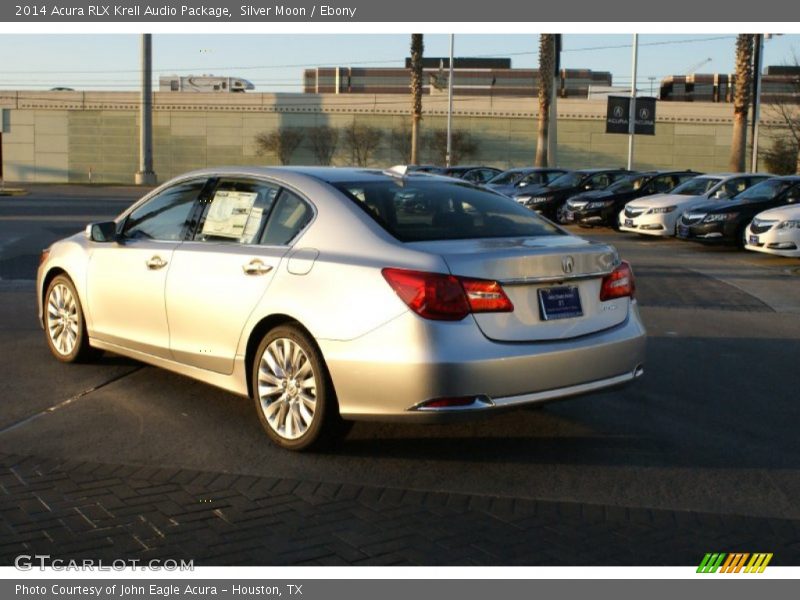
(718, 232)
(780, 242)
(662, 225)
(390, 373)
(594, 216)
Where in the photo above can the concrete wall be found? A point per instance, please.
(66, 136)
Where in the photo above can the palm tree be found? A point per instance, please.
(741, 99)
(547, 58)
(416, 93)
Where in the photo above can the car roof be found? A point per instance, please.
(326, 174)
(596, 170)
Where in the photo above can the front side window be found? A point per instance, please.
(626, 184)
(237, 211)
(599, 181)
(733, 187)
(663, 184)
(166, 216)
(414, 211)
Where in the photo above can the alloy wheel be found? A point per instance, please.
(63, 321)
(287, 388)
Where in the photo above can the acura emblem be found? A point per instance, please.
(567, 264)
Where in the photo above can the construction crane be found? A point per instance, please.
(691, 70)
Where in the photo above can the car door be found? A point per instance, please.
(125, 279)
(218, 277)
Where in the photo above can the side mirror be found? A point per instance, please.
(720, 195)
(588, 187)
(102, 232)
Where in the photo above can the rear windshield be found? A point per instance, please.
(428, 210)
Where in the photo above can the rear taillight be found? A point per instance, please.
(446, 297)
(618, 284)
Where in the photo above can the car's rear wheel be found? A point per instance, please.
(293, 393)
(65, 326)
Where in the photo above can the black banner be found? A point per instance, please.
(618, 115)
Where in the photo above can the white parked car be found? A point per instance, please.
(775, 231)
(659, 214)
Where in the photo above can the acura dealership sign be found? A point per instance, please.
(618, 113)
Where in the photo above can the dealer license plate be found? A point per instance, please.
(562, 302)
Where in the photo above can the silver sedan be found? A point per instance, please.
(332, 295)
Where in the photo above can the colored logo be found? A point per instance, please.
(734, 563)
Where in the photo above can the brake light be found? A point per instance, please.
(446, 297)
(619, 283)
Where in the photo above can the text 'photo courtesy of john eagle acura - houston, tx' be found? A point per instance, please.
(330, 295)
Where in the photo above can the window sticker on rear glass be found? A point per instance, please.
(228, 214)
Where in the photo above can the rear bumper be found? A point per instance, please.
(392, 372)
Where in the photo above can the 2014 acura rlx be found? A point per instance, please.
(313, 292)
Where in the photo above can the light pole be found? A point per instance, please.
(552, 122)
(145, 174)
(448, 155)
(632, 111)
(758, 53)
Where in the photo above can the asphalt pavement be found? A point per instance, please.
(711, 429)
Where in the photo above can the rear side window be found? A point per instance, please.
(288, 218)
(429, 210)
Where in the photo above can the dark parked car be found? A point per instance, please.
(548, 199)
(725, 223)
(601, 207)
(516, 180)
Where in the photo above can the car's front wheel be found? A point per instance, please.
(293, 393)
(64, 323)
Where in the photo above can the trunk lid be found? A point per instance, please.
(524, 267)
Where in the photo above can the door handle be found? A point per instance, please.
(156, 263)
(256, 267)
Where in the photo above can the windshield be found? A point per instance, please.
(415, 211)
(567, 180)
(628, 184)
(696, 187)
(507, 178)
(766, 190)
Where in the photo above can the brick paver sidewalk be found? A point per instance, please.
(75, 510)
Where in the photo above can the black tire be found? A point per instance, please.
(282, 402)
(63, 313)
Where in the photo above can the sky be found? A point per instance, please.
(274, 63)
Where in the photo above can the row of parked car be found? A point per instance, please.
(756, 211)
